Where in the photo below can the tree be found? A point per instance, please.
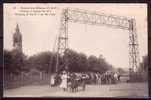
(44, 61)
(92, 63)
(98, 64)
(77, 62)
(13, 61)
(8, 60)
(120, 70)
(104, 65)
(72, 58)
(82, 62)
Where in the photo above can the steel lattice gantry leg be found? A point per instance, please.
(63, 38)
(133, 47)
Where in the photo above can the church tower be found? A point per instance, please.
(17, 40)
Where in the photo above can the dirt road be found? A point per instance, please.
(118, 90)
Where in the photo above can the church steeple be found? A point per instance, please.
(17, 29)
(17, 39)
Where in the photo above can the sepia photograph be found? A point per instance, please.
(75, 50)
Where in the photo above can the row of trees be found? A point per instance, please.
(80, 62)
(16, 62)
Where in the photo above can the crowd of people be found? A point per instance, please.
(71, 81)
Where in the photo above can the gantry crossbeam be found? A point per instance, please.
(94, 18)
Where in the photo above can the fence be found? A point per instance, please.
(25, 78)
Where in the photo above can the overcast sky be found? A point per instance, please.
(39, 32)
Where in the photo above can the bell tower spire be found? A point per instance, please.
(17, 29)
(17, 39)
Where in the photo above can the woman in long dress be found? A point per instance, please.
(115, 77)
(52, 80)
(64, 81)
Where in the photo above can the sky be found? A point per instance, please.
(39, 32)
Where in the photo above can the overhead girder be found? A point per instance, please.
(94, 18)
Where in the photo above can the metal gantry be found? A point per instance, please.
(94, 18)
(62, 44)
